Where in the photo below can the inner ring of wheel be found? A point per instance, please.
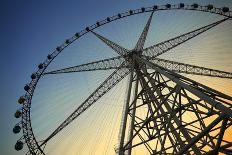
(33, 146)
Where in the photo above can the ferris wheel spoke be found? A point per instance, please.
(140, 44)
(190, 69)
(105, 64)
(162, 47)
(117, 48)
(105, 87)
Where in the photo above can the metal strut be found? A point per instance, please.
(132, 123)
(123, 130)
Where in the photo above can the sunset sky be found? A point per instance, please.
(30, 30)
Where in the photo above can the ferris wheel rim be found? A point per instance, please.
(28, 134)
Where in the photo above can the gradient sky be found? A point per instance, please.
(30, 30)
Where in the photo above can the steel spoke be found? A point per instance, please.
(160, 48)
(105, 64)
(190, 69)
(117, 48)
(140, 43)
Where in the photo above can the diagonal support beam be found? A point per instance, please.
(147, 120)
(117, 48)
(203, 92)
(160, 48)
(140, 43)
(105, 64)
(171, 131)
(221, 134)
(174, 117)
(200, 135)
(123, 129)
(132, 123)
(190, 69)
(107, 85)
(220, 149)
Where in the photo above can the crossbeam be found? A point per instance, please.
(207, 129)
(190, 69)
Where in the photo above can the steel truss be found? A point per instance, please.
(168, 97)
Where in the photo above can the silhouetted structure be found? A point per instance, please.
(154, 85)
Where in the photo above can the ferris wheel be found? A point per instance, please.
(159, 98)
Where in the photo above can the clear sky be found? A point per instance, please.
(29, 30)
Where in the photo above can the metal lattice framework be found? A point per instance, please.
(167, 95)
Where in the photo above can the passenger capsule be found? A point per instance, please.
(21, 100)
(87, 28)
(119, 15)
(131, 12)
(168, 6)
(142, 9)
(98, 24)
(18, 145)
(181, 5)
(108, 19)
(16, 129)
(26, 87)
(33, 76)
(155, 7)
(58, 49)
(49, 56)
(40, 66)
(77, 34)
(18, 114)
(67, 41)
(210, 7)
(225, 9)
(195, 5)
